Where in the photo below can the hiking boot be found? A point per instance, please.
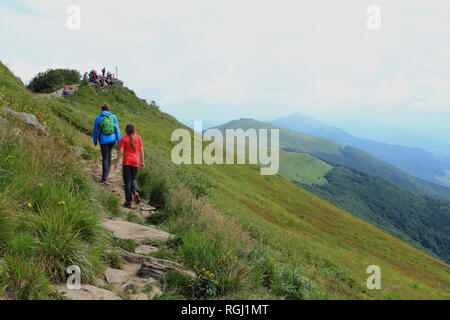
(137, 198)
(127, 205)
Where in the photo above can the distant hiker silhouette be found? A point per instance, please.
(107, 132)
(133, 158)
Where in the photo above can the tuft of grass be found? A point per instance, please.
(58, 242)
(113, 259)
(129, 245)
(23, 278)
(177, 284)
(290, 284)
(134, 217)
(7, 219)
(112, 205)
(154, 187)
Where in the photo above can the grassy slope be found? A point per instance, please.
(294, 227)
(303, 167)
(297, 228)
(425, 166)
(49, 209)
(335, 154)
(416, 219)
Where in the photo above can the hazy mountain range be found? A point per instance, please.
(410, 208)
(414, 161)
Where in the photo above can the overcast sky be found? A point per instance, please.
(220, 60)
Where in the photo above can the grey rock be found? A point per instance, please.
(78, 151)
(88, 292)
(156, 292)
(125, 230)
(145, 250)
(116, 276)
(29, 119)
(139, 297)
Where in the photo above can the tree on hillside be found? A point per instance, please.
(52, 80)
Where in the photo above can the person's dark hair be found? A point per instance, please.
(106, 107)
(130, 130)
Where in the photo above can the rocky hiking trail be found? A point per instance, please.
(138, 279)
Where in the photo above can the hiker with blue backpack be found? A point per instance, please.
(107, 132)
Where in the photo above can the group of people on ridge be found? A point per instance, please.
(103, 80)
(107, 134)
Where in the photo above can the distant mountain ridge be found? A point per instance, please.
(334, 154)
(412, 209)
(414, 161)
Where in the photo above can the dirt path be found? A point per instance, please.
(115, 185)
(58, 93)
(138, 278)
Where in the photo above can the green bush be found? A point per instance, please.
(205, 285)
(52, 80)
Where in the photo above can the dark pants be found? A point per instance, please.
(129, 180)
(106, 155)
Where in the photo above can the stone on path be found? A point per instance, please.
(156, 292)
(116, 276)
(152, 267)
(88, 292)
(139, 297)
(125, 230)
(145, 250)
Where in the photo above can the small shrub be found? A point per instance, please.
(291, 285)
(205, 285)
(52, 80)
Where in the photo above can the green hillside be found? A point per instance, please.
(303, 167)
(384, 203)
(263, 236)
(334, 154)
(414, 161)
(290, 140)
(422, 221)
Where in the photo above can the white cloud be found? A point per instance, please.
(233, 58)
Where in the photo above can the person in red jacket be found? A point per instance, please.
(133, 158)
